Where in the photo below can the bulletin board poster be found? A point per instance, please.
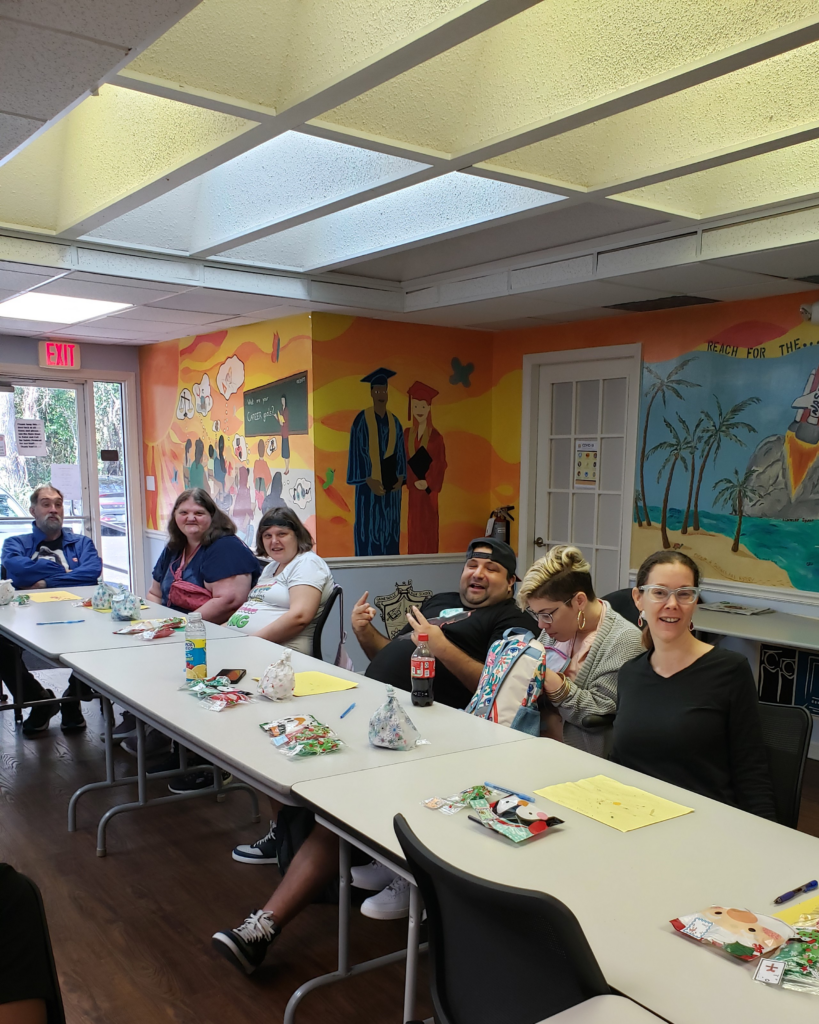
(585, 463)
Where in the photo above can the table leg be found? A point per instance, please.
(413, 946)
(108, 717)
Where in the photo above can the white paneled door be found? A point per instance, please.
(582, 434)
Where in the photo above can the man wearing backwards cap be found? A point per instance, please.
(477, 616)
(377, 466)
(461, 626)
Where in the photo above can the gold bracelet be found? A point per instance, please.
(563, 692)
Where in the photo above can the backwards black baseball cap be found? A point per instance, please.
(501, 553)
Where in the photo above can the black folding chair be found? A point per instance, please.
(623, 603)
(538, 958)
(786, 731)
(23, 914)
(337, 591)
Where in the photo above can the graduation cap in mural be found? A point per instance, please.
(420, 392)
(378, 377)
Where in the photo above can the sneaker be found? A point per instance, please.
(73, 719)
(263, 851)
(372, 876)
(391, 903)
(171, 763)
(196, 781)
(126, 730)
(156, 742)
(41, 715)
(247, 946)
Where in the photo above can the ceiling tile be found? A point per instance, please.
(182, 317)
(15, 130)
(789, 261)
(124, 23)
(22, 282)
(120, 292)
(709, 281)
(212, 301)
(10, 326)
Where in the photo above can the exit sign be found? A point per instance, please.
(60, 355)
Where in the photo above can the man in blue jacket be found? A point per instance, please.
(49, 556)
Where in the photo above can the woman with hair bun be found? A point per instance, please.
(688, 713)
(557, 591)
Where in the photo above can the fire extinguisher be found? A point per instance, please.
(497, 525)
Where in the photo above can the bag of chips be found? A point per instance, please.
(392, 727)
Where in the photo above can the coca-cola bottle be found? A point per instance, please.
(422, 670)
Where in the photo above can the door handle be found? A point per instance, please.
(540, 542)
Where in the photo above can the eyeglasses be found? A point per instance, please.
(545, 618)
(659, 595)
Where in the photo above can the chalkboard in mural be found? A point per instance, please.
(728, 463)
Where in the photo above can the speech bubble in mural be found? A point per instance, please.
(272, 445)
(204, 400)
(240, 448)
(300, 492)
(230, 376)
(184, 407)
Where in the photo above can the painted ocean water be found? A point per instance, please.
(793, 546)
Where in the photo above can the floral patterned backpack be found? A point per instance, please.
(512, 680)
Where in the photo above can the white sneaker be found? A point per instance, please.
(391, 903)
(372, 876)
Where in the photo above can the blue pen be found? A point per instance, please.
(807, 887)
(61, 622)
(511, 792)
(349, 709)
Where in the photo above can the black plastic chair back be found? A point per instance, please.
(498, 954)
(623, 603)
(786, 731)
(322, 619)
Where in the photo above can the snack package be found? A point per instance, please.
(795, 964)
(156, 634)
(740, 933)
(125, 606)
(6, 592)
(302, 736)
(278, 681)
(221, 699)
(391, 726)
(144, 625)
(509, 815)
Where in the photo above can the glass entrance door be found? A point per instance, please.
(82, 453)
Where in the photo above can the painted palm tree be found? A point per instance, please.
(675, 452)
(637, 508)
(691, 440)
(736, 492)
(714, 432)
(662, 387)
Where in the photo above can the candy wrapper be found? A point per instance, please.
(156, 634)
(143, 625)
(222, 699)
(795, 964)
(302, 736)
(6, 592)
(125, 606)
(740, 933)
(511, 816)
(391, 726)
(278, 681)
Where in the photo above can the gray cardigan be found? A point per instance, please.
(594, 691)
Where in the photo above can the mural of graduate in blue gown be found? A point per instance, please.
(377, 467)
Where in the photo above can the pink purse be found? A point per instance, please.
(185, 596)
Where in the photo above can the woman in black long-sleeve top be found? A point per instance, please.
(688, 712)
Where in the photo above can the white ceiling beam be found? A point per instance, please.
(434, 39)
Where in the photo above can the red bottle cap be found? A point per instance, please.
(423, 637)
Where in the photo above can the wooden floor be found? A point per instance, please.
(131, 931)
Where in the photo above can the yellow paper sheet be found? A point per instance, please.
(308, 684)
(792, 914)
(623, 807)
(45, 596)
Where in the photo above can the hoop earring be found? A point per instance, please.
(691, 626)
(640, 622)
(581, 615)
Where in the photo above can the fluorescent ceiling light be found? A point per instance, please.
(57, 309)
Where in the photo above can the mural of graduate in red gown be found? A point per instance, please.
(377, 467)
(426, 466)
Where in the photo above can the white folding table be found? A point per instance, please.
(624, 887)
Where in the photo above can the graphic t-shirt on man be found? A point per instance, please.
(270, 598)
(51, 551)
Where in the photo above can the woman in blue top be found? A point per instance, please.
(204, 551)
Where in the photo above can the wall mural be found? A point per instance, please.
(231, 412)
(390, 480)
(727, 467)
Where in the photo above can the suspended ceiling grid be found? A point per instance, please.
(332, 138)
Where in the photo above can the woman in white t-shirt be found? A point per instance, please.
(292, 591)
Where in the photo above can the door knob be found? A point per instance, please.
(540, 542)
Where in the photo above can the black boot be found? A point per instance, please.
(41, 715)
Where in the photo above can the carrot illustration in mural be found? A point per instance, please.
(676, 453)
(332, 492)
(714, 432)
(736, 492)
(426, 466)
(661, 388)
